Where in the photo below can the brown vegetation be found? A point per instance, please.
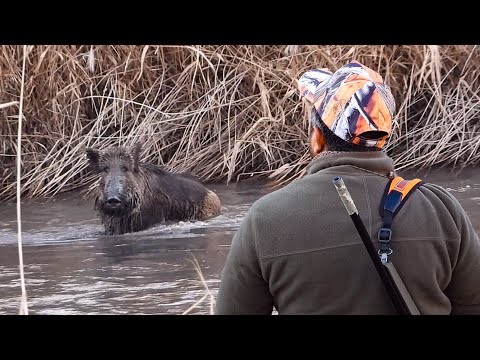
(221, 112)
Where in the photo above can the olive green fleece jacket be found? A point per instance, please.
(298, 250)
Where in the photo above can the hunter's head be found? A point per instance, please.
(352, 109)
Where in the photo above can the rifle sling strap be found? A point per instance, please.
(397, 191)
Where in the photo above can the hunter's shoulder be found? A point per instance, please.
(437, 192)
(442, 202)
(282, 202)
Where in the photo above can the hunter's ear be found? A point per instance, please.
(136, 155)
(92, 156)
(317, 141)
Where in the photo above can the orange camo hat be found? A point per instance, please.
(353, 102)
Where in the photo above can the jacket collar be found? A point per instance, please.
(372, 161)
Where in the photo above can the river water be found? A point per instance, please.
(71, 268)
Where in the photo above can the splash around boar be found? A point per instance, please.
(133, 196)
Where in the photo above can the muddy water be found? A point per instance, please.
(71, 268)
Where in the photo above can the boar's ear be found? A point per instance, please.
(92, 156)
(136, 155)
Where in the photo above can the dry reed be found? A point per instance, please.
(222, 112)
(208, 292)
(23, 300)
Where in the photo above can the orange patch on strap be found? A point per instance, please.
(403, 186)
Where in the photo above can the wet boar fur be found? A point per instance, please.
(148, 193)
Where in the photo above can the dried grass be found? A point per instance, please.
(23, 300)
(208, 292)
(222, 112)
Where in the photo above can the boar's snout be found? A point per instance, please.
(113, 203)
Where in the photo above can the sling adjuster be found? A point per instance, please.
(384, 235)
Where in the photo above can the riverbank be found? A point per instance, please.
(224, 113)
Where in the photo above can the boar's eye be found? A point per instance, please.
(106, 169)
(124, 168)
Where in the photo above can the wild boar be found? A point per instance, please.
(133, 195)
